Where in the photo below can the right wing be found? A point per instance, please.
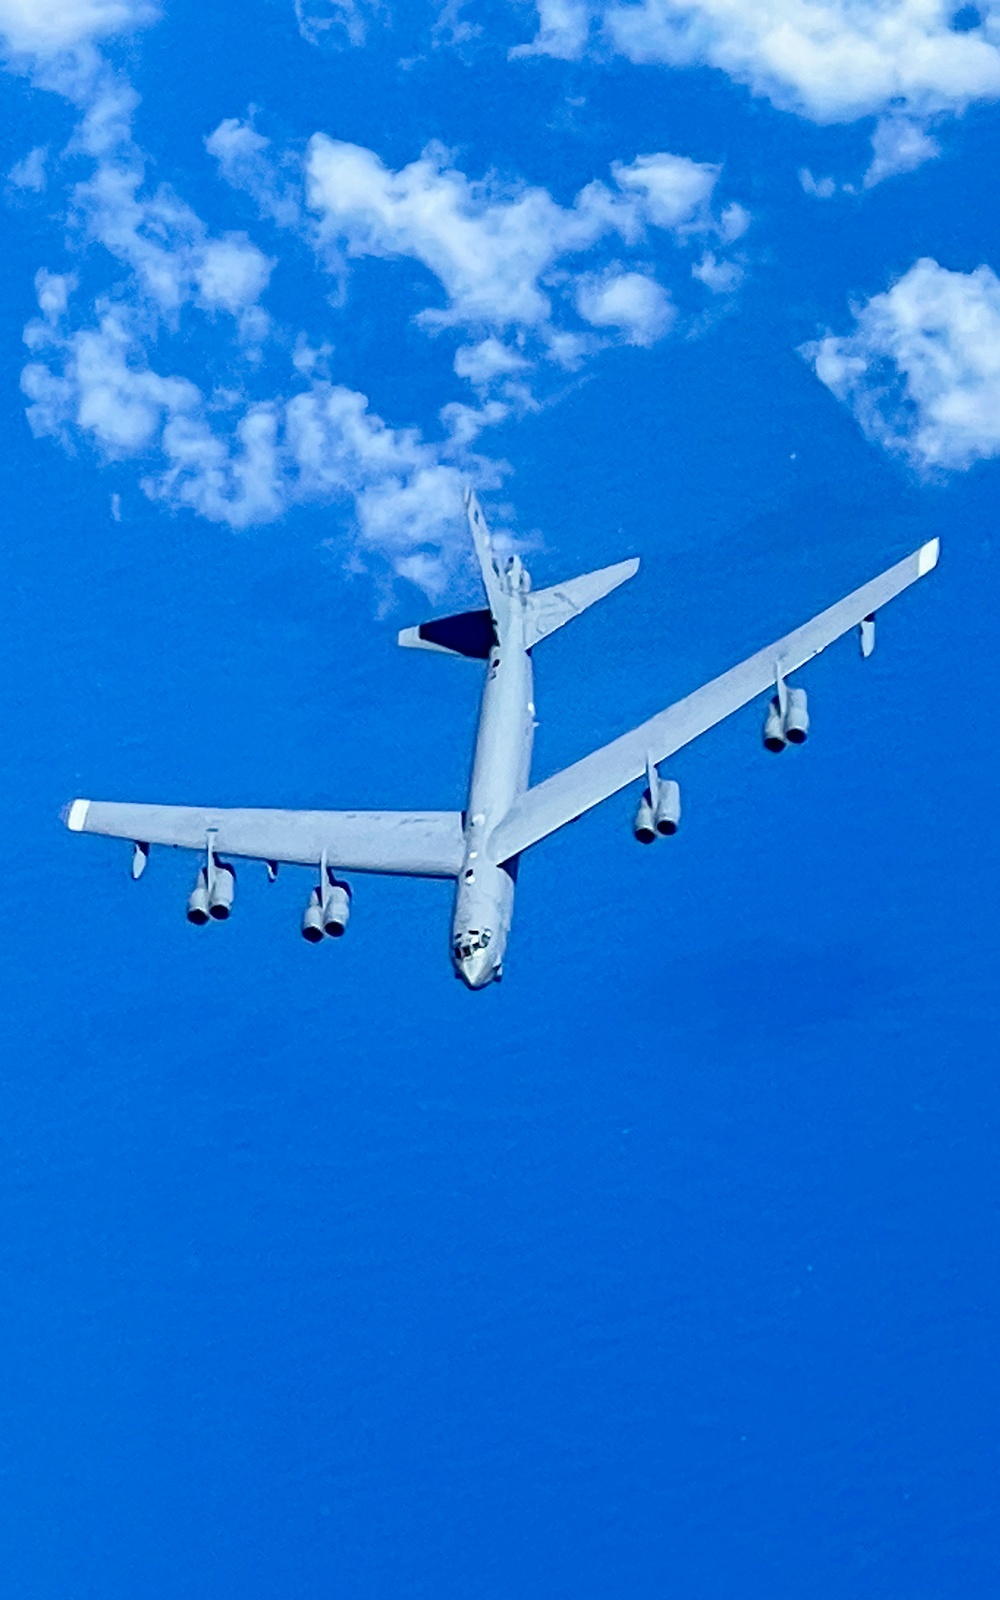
(567, 795)
(415, 844)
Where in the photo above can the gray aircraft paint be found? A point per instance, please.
(484, 900)
(481, 847)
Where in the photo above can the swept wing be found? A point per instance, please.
(567, 795)
(415, 844)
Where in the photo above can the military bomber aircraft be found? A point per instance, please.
(479, 848)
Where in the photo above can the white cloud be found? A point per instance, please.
(95, 374)
(821, 188)
(30, 173)
(46, 27)
(53, 290)
(487, 252)
(244, 161)
(830, 60)
(673, 192)
(164, 242)
(563, 31)
(921, 370)
(506, 256)
(235, 460)
(515, 268)
(722, 277)
(489, 359)
(519, 277)
(231, 273)
(629, 301)
(335, 22)
(104, 388)
(899, 144)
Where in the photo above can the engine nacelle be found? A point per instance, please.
(312, 919)
(197, 907)
(797, 717)
(774, 728)
(220, 900)
(668, 806)
(337, 909)
(644, 826)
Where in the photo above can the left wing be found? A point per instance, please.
(560, 799)
(414, 844)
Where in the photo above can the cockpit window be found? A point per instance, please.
(471, 942)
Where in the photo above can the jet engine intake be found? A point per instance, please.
(337, 909)
(668, 806)
(644, 826)
(220, 900)
(197, 906)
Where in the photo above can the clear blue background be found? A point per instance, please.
(669, 1267)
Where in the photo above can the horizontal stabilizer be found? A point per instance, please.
(549, 609)
(470, 633)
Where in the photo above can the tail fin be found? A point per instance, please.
(492, 581)
(549, 609)
(546, 610)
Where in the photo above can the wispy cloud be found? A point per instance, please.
(526, 285)
(47, 28)
(336, 23)
(921, 367)
(829, 60)
(515, 268)
(30, 173)
(100, 370)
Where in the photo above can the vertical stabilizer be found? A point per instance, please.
(492, 580)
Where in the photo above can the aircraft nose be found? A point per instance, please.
(477, 970)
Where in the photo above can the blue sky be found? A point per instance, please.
(668, 1268)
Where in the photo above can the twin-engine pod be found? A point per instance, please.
(216, 901)
(327, 913)
(659, 810)
(790, 726)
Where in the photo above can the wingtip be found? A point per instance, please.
(927, 556)
(75, 815)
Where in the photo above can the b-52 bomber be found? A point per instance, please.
(480, 848)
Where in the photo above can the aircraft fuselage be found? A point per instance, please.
(484, 899)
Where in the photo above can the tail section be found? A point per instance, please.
(549, 609)
(474, 633)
